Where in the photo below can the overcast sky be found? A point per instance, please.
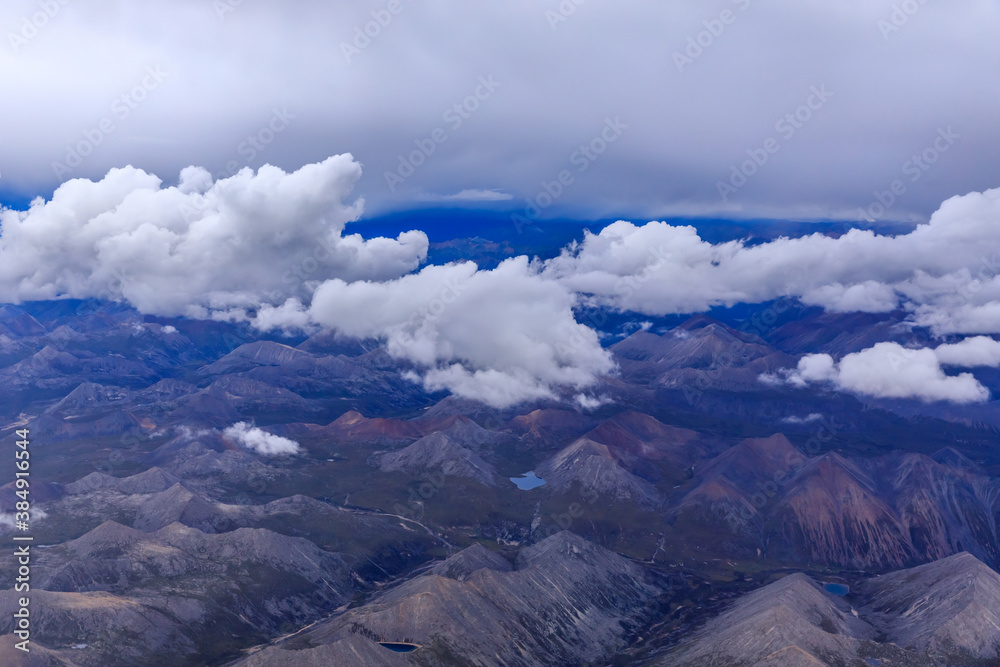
(200, 76)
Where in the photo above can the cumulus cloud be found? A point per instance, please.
(260, 441)
(816, 368)
(889, 370)
(966, 301)
(500, 336)
(270, 247)
(868, 297)
(200, 247)
(977, 351)
(940, 271)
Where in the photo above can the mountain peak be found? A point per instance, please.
(472, 559)
(950, 605)
(792, 618)
(349, 418)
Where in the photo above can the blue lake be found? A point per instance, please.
(399, 647)
(837, 589)
(528, 481)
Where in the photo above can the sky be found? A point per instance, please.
(208, 158)
(644, 108)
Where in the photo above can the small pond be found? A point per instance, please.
(528, 481)
(837, 589)
(400, 647)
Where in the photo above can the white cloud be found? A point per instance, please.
(868, 297)
(977, 351)
(944, 318)
(289, 316)
(499, 336)
(816, 368)
(199, 247)
(591, 402)
(808, 419)
(272, 242)
(941, 270)
(261, 441)
(889, 370)
(8, 521)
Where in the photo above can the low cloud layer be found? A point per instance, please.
(260, 441)
(200, 248)
(946, 272)
(889, 370)
(269, 247)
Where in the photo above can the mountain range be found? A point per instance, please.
(694, 515)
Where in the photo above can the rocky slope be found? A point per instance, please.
(790, 622)
(765, 497)
(700, 353)
(691, 471)
(942, 613)
(950, 608)
(439, 452)
(562, 601)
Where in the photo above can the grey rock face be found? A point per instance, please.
(566, 602)
(941, 613)
(475, 558)
(792, 618)
(593, 465)
(356, 651)
(949, 607)
(439, 451)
